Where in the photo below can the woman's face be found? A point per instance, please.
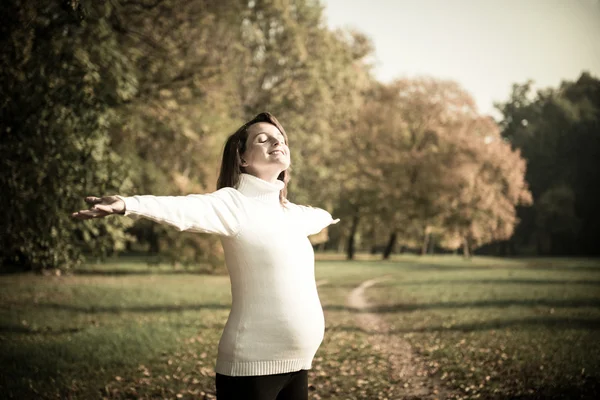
(266, 153)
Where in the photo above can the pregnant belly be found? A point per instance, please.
(301, 330)
(278, 334)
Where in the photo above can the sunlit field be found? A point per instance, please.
(486, 328)
(499, 329)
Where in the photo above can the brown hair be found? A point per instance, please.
(235, 146)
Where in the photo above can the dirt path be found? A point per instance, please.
(404, 365)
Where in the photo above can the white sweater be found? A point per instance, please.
(276, 321)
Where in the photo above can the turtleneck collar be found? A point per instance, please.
(256, 188)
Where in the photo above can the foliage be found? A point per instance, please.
(137, 97)
(425, 162)
(556, 130)
(311, 79)
(489, 176)
(164, 83)
(260, 61)
(59, 74)
(173, 130)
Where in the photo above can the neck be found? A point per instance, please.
(257, 188)
(266, 176)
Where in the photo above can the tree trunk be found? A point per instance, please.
(353, 229)
(373, 241)
(153, 241)
(539, 244)
(466, 251)
(390, 246)
(431, 246)
(340, 245)
(503, 248)
(512, 248)
(425, 244)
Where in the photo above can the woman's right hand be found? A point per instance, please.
(101, 207)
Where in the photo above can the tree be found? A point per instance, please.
(396, 145)
(173, 130)
(61, 68)
(243, 58)
(425, 159)
(488, 181)
(557, 132)
(306, 75)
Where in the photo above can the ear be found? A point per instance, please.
(243, 162)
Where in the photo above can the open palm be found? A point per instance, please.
(101, 207)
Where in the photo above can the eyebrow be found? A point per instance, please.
(266, 133)
(258, 133)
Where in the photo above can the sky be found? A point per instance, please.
(485, 45)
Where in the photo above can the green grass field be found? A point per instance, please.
(488, 328)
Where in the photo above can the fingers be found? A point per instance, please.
(80, 215)
(97, 209)
(106, 209)
(93, 200)
(89, 214)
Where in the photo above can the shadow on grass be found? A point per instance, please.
(382, 309)
(408, 265)
(546, 322)
(499, 281)
(49, 331)
(132, 309)
(574, 303)
(561, 390)
(397, 308)
(511, 281)
(128, 272)
(438, 267)
(25, 330)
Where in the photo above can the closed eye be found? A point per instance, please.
(264, 139)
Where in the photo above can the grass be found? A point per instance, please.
(501, 329)
(91, 336)
(490, 328)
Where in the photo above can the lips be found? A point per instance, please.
(277, 151)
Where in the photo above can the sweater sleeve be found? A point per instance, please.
(312, 219)
(219, 212)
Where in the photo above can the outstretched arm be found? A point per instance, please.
(219, 212)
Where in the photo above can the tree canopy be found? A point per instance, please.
(558, 132)
(138, 96)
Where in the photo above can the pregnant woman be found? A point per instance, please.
(276, 323)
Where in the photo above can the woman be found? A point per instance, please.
(276, 321)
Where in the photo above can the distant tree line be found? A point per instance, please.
(557, 130)
(137, 97)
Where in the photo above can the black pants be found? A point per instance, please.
(288, 386)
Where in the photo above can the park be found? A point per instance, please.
(454, 226)
(433, 327)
